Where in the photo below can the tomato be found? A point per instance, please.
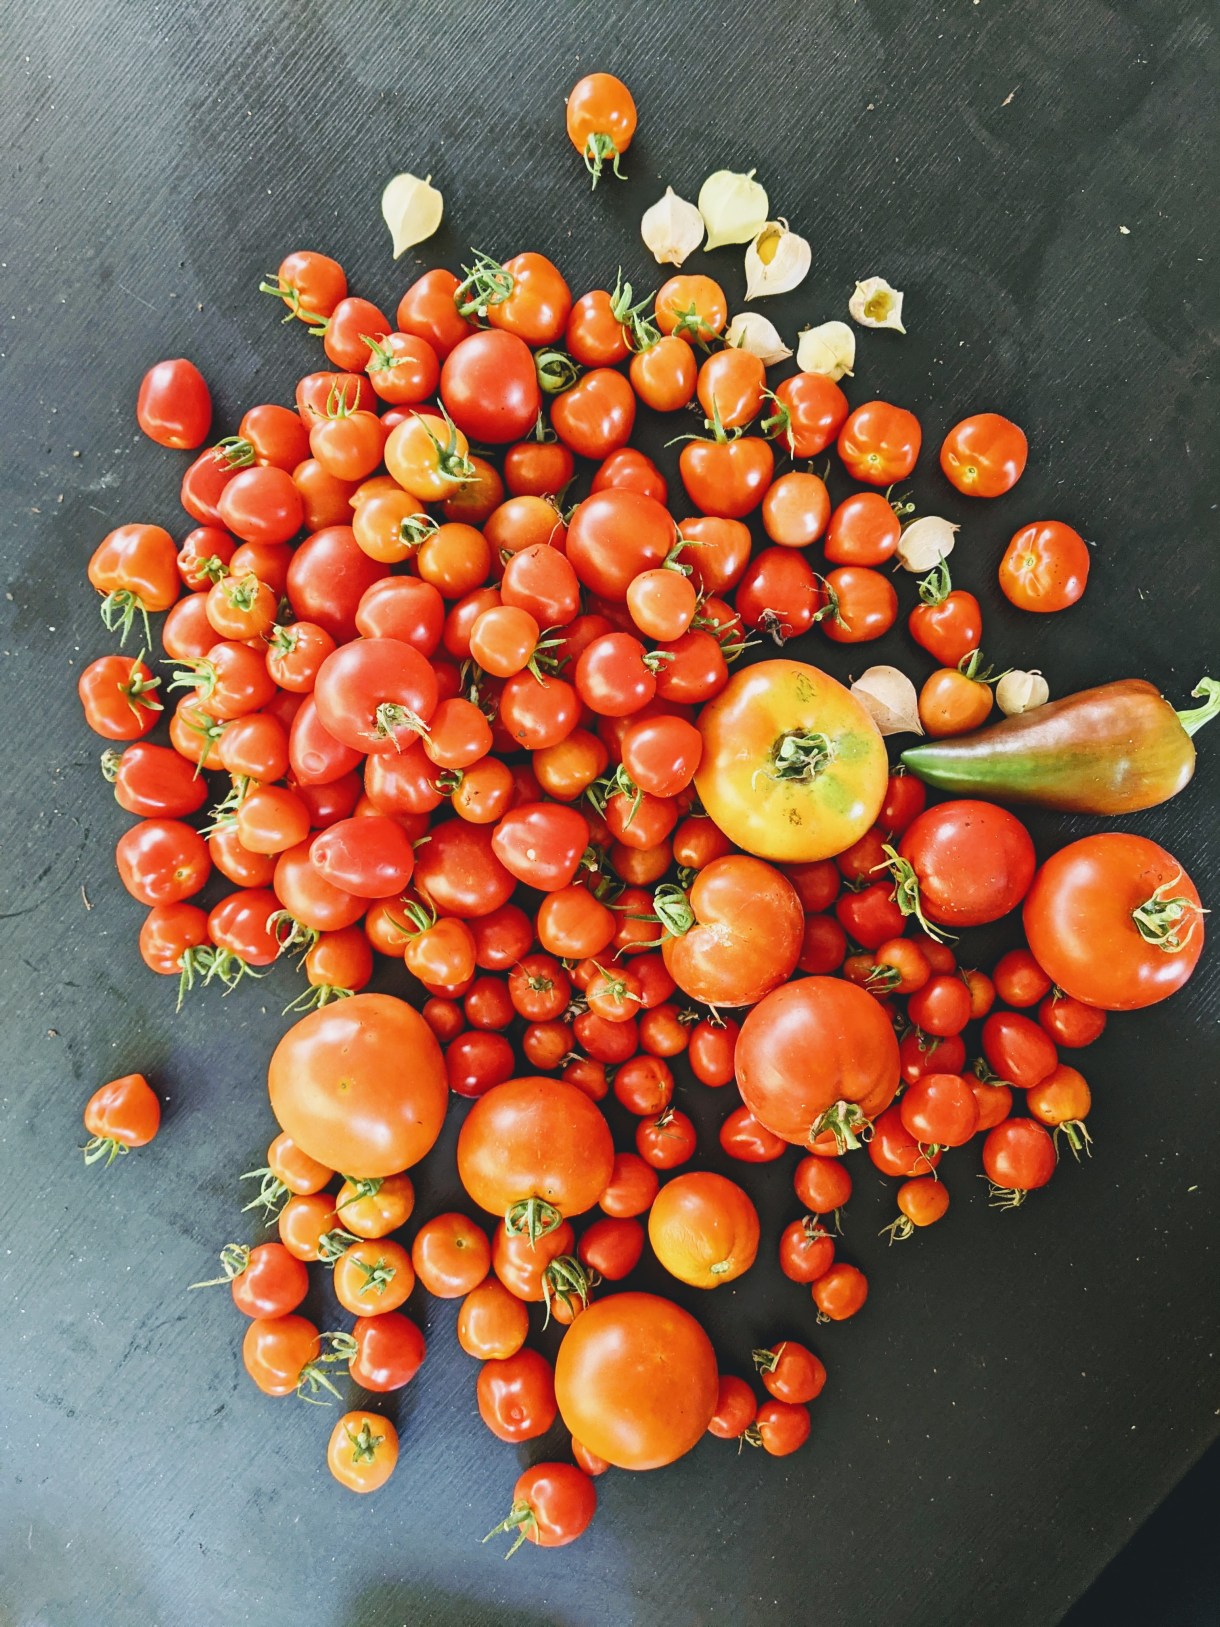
(476, 1061)
(953, 701)
(451, 1255)
(948, 621)
(984, 456)
(629, 469)
(375, 695)
(135, 569)
(162, 861)
(174, 406)
(779, 594)
(730, 387)
(879, 443)
(174, 942)
(458, 872)
(119, 696)
(310, 284)
(527, 296)
(120, 1115)
(664, 375)
(1069, 1022)
(742, 1137)
(703, 1229)
(280, 1353)
(895, 1151)
(795, 509)
(377, 1207)
(427, 310)
(972, 863)
(636, 1380)
(428, 456)
(553, 1503)
(839, 1293)
(726, 478)
(389, 1351)
(316, 391)
(519, 523)
(362, 1451)
(691, 306)
(351, 331)
(535, 1149)
(823, 1185)
(942, 1006)
(542, 581)
(613, 536)
(261, 505)
(523, 1265)
(849, 1033)
(596, 416)
(736, 1408)
(711, 1050)
(1045, 567)
(780, 1428)
(736, 936)
(863, 530)
(601, 119)
(267, 1282)
(370, 858)
(810, 410)
(1018, 1158)
(598, 332)
(309, 898)
(492, 1323)
(921, 1202)
(631, 1188)
(327, 579)
(373, 1277)
(1115, 921)
(790, 1372)
(666, 1140)
(806, 1251)
(940, 1110)
(863, 605)
(516, 1395)
(1019, 980)
(337, 1089)
(489, 387)
(1019, 1050)
(793, 767)
(572, 923)
(538, 713)
(612, 1247)
(305, 1224)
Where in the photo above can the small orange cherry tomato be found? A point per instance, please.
(362, 1451)
(601, 120)
(492, 1323)
(451, 1255)
(692, 307)
(377, 1207)
(373, 1276)
(953, 702)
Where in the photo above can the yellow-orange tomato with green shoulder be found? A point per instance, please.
(794, 769)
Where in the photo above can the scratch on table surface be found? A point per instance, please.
(134, 295)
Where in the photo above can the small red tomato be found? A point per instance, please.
(984, 456)
(174, 406)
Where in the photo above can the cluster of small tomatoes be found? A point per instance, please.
(502, 743)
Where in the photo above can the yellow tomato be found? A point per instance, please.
(793, 767)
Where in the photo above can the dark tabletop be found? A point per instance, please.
(1022, 1388)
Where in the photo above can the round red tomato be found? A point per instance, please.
(984, 456)
(174, 406)
(973, 862)
(879, 443)
(1045, 567)
(489, 387)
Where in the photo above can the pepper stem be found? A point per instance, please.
(1194, 719)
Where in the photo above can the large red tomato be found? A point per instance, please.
(360, 1086)
(1115, 921)
(973, 862)
(614, 535)
(808, 1048)
(738, 934)
(535, 1150)
(489, 387)
(636, 1380)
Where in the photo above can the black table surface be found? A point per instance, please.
(1022, 1389)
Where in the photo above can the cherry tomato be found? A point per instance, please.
(493, 1323)
(389, 1352)
(839, 1293)
(940, 1110)
(1069, 1022)
(174, 406)
(984, 456)
(736, 1408)
(362, 1451)
(601, 120)
(863, 604)
(806, 1251)
(122, 1114)
(1045, 567)
(553, 1503)
(780, 1427)
(790, 1372)
(516, 1396)
(489, 387)
(1019, 1050)
(664, 375)
(810, 410)
(879, 443)
(1018, 1158)
(691, 306)
(863, 530)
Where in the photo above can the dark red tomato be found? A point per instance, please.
(489, 387)
(371, 857)
(879, 443)
(779, 594)
(1018, 1157)
(810, 410)
(613, 536)
(948, 622)
(612, 1247)
(241, 928)
(744, 1138)
(863, 530)
(905, 798)
(823, 946)
(871, 915)
(328, 577)
(351, 328)
(541, 844)
(1069, 1022)
(942, 1006)
(984, 456)
(202, 485)
(261, 505)
(736, 1409)
(806, 1251)
(476, 1061)
(457, 870)
(973, 862)
(174, 406)
(710, 1050)
(1018, 1050)
(727, 478)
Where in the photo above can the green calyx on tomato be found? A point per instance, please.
(532, 1218)
(234, 1258)
(486, 283)
(556, 370)
(1160, 918)
(343, 1348)
(390, 717)
(272, 1194)
(906, 892)
(846, 1122)
(567, 1281)
(800, 756)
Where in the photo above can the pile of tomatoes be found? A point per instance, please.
(426, 711)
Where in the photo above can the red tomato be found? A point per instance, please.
(984, 456)
(972, 863)
(810, 410)
(489, 387)
(1045, 567)
(613, 536)
(1018, 1157)
(516, 1396)
(879, 443)
(863, 530)
(174, 406)
(1019, 1050)
(601, 120)
(596, 416)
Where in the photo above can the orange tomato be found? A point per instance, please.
(703, 1229)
